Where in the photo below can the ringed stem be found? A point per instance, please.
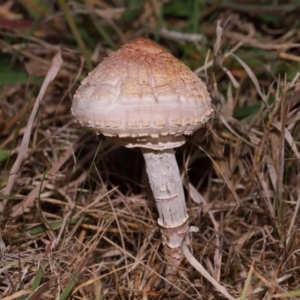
(167, 189)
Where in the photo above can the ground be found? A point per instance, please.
(77, 219)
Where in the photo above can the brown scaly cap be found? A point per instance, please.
(143, 96)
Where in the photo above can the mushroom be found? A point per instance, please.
(142, 96)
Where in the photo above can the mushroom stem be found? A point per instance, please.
(167, 189)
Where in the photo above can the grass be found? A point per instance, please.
(78, 222)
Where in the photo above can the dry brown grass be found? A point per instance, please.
(79, 222)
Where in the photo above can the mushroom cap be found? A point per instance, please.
(142, 96)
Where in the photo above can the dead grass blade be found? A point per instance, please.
(280, 153)
(226, 179)
(193, 261)
(227, 125)
(253, 78)
(289, 56)
(92, 280)
(293, 218)
(198, 198)
(260, 45)
(28, 201)
(288, 137)
(18, 294)
(54, 69)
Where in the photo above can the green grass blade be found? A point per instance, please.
(76, 33)
(73, 281)
(247, 284)
(37, 279)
